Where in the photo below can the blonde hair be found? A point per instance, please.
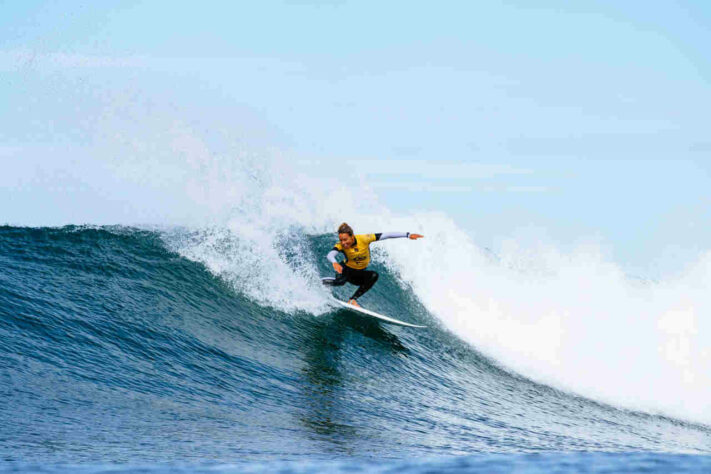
(345, 229)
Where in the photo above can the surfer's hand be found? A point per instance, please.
(337, 267)
(415, 236)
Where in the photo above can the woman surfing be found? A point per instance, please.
(356, 249)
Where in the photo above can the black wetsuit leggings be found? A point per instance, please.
(365, 279)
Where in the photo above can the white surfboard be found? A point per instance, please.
(375, 315)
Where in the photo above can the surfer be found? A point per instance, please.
(356, 249)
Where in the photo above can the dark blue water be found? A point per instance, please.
(118, 354)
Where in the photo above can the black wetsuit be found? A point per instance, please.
(365, 279)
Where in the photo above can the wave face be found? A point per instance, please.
(570, 319)
(125, 345)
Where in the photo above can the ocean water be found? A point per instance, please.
(209, 349)
(164, 221)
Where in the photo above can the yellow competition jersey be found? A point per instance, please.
(358, 256)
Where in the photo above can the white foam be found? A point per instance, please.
(572, 320)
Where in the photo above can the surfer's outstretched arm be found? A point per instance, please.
(397, 235)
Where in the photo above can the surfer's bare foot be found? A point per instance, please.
(354, 303)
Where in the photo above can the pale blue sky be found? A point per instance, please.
(581, 119)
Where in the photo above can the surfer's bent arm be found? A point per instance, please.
(332, 256)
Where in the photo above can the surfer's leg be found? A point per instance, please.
(340, 280)
(366, 280)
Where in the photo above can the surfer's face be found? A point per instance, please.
(346, 240)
